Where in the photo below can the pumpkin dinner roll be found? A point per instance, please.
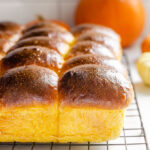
(88, 47)
(28, 55)
(108, 42)
(56, 44)
(5, 45)
(10, 32)
(45, 24)
(99, 34)
(46, 34)
(52, 33)
(28, 85)
(93, 88)
(28, 101)
(92, 28)
(6, 26)
(103, 61)
(92, 103)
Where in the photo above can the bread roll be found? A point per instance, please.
(10, 32)
(89, 47)
(117, 88)
(57, 44)
(28, 96)
(19, 86)
(51, 33)
(37, 55)
(108, 42)
(28, 90)
(45, 24)
(103, 61)
(93, 89)
(100, 34)
(92, 28)
(10, 26)
(5, 45)
(56, 87)
(92, 103)
(9, 36)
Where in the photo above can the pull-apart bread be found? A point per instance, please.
(61, 86)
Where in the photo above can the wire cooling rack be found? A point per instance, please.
(133, 136)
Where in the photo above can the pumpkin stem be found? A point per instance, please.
(40, 17)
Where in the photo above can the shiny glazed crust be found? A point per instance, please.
(8, 35)
(10, 26)
(92, 28)
(5, 45)
(103, 88)
(29, 55)
(108, 42)
(10, 32)
(57, 44)
(89, 47)
(44, 24)
(52, 33)
(28, 85)
(103, 61)
(99, 34)
(90, 59)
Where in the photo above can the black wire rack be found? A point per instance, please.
(133, 136)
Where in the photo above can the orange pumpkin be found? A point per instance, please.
(146, 44)
(126, 17)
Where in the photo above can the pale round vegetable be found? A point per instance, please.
(143, 67)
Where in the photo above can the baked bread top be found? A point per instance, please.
(29, 55)
(28, 85)
(49, 64)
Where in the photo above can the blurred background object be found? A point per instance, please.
(145, 47)
(143, 62)
(143, 67)
(126, 17)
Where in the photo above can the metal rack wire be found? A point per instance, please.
(133, 136)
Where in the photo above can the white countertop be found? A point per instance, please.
(142, 91)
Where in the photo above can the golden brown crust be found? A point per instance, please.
(5, 45)
(51, 33)
(103, 61)
(45, 24)
(57, 44)
(32, 55)
(9, 36)
(93, 86)
(92, 28)
(90, 78)
(10, 26)
(28, 85)
(89, 47)
(108, 42)
(9, 33)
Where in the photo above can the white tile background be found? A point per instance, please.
(23, 11)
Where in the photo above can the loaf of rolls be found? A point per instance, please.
(61, 86)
